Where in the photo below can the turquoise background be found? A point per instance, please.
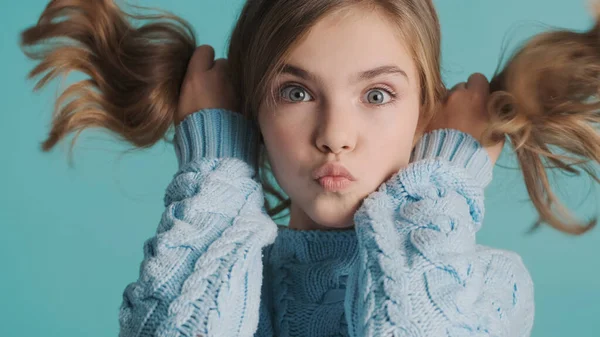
(72, 236)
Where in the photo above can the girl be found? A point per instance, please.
(385, 200)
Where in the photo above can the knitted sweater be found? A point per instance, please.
(219, 266)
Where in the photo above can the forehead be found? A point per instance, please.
(345, 42)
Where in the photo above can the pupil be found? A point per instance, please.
(297, 94)
(376, 96)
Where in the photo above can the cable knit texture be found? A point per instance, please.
(410, 267)
(419, 271)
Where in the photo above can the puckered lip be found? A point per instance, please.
(332, 169)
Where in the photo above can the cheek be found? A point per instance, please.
(280, 142)
(392, 139)
(284, 148)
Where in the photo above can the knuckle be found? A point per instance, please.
(474, 93)
(457, 95)
(205, 49)
(478, 76)
(220, 64)
(202, 57)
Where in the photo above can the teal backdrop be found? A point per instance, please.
(71, 235)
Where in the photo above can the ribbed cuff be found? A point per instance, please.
(457, 147)
(216, 133)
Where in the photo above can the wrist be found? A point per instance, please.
(459, 149)
(216, 133)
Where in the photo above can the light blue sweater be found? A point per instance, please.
(219, 266)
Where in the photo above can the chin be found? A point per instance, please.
(333, 216)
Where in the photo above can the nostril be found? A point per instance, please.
(326, 148)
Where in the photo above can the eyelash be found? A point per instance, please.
(382, 87)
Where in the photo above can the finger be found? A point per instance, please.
(220, 64)
(454, 89)
(459, 86)
(479, 83)
(202, 59)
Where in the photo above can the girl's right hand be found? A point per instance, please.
(206, 85)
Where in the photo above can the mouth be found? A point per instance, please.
(333, 177)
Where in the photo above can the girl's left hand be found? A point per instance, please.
(465, 109)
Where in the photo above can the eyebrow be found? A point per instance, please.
(362, 76)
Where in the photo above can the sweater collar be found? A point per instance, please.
(314, 246)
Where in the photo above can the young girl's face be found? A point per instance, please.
(349, 95)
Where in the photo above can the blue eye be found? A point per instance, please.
(378, 96)
(294, 93)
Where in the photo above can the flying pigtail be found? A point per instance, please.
(546, 100)
(135, 73)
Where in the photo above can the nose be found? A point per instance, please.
(337, 131)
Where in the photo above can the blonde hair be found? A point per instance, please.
(544, 99)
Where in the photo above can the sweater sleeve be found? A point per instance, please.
(419, 271)
(202, 272)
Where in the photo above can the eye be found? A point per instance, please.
(379, 96)
(295, 93)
